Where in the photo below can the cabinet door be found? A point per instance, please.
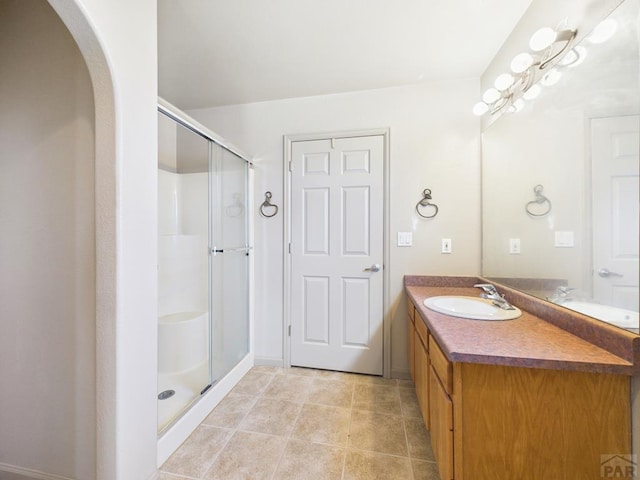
(441, 418)
(422, 378)
(411, 348)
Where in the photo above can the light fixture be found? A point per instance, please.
(521, 63)
(548, 47)
(491, 96)
(480, 109)
(542, 39)
(504, 81)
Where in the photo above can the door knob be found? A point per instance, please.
(605, 273)
(373, 268)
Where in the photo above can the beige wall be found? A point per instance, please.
(47, 246)
(434, 142)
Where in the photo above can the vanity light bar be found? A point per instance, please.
(549, 47)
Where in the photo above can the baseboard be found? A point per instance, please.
(401, 374)
(268, 361)
(27, 473)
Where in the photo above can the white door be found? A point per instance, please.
(337, 253)
(615, 156)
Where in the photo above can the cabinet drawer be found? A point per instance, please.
(421, 328)
(441, 418)
(441, 365)
(410, 310)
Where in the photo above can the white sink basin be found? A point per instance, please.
(470, 307)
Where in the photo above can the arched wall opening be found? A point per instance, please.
(57, 248)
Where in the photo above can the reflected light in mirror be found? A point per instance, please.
(604, 31)
(532, 93)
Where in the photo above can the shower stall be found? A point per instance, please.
(203, 265)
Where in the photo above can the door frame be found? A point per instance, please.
(386, 319)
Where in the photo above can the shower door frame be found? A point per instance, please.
(178, 431)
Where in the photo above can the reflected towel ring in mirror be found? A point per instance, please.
(539, 206)
(266, 205)
(425, 203)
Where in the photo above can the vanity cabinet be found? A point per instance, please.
(506, 422)
(411, 355)
(418, 358)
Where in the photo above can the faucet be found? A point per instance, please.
(561, 295)
(490, 293)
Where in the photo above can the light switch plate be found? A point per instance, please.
(514, 246)
(564, 239)
(446, 245)
(405, 239)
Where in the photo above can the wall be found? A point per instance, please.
(47, 247)
(119, 43)
(434, 144)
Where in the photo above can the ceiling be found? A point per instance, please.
(214, 52)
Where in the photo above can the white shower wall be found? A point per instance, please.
(182, 242)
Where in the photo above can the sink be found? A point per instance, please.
(470, 307)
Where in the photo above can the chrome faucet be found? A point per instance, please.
(490, 293)
(561, 295)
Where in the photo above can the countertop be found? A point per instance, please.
(528, 341)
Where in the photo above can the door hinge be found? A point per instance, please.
(289, 165)
(289, 330)
(289, 248)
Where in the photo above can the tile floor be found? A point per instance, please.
(297, 423)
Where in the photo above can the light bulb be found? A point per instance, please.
(542, 39)
(532, 93)
(480, 109)
(504, 81)
(603, 31)
(551, 77)
(521, 62)
(490, 96)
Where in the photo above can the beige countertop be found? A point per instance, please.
(528, 341)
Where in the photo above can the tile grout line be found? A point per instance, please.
(289, 435)
(346, 448)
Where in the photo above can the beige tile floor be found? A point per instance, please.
(283, 424)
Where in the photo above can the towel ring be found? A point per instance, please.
(426, 196)
(267, 204)
(539, 200)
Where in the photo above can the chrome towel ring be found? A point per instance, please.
(426, 204)
(267, 205)
(539, 206)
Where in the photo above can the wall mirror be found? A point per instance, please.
(560, 181)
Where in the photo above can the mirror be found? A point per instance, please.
(560, 182)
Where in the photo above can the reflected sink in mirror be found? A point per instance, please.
(473, 308)
(619, 317)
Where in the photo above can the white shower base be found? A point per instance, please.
(187, 384)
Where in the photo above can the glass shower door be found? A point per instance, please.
(229, 261)
(183, 269)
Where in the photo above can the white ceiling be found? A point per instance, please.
(214, 52)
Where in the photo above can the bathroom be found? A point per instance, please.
(434, 143)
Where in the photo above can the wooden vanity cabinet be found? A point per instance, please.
(505, 422)
(411, 312)
(418, 359)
